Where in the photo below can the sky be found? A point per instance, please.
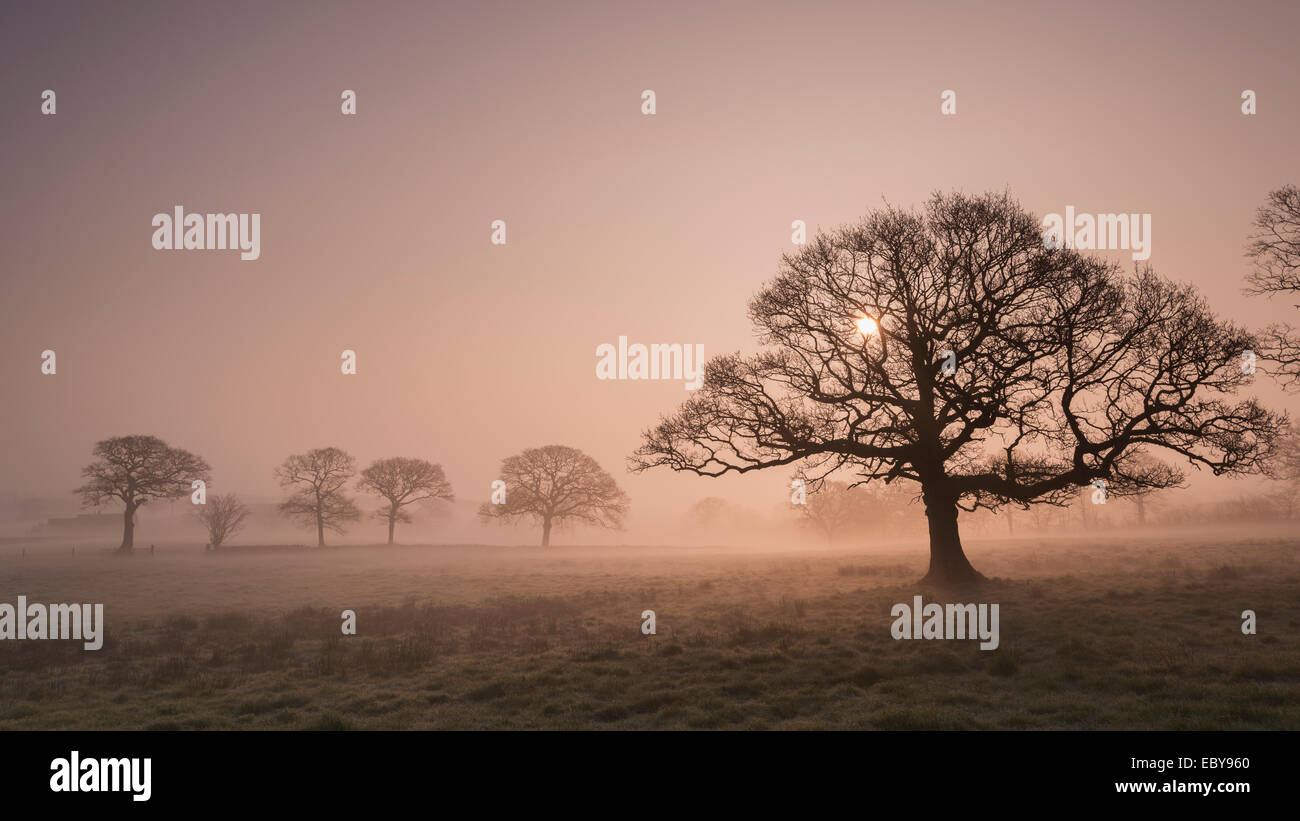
(376, 228)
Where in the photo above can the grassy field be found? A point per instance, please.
(1140, 634)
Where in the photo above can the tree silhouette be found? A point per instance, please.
(1142, 495)
(400, 482)
(1285, 473)
(834, 507)
(222, 516)
(135, 469)
(873, 510)
(319, 476)
(951, 348)
(555, 484)
(1275, 249)
(708, 512)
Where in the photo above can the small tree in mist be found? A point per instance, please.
(954, 349)
(709, 512)
(833, 508)
(1275, 250)
(222, 516)
(401, 482)
(557, 484)
(1285, 473)
(872, 510)
(712, 518)
(135, 469)
(1142, 496)
(318, 478)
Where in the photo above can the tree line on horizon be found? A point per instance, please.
(551, 485)
(847, 514)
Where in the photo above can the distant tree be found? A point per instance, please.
(1275, 249)
(135, 469)
(1048, 517)
(833, 507)
(318, 478)
(401, 482)
(1140, 502)
(1285, 473)
(1141, 496)
(918, 345)
(875, 510)
(708, 512)
(555, 484)
(223, 516)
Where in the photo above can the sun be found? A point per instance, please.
(867, 326)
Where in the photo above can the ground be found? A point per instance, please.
(1140, 633)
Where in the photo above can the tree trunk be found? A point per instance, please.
(546, 532)
(128, 530)
(392, 521)
(320, 531)
(949, 566)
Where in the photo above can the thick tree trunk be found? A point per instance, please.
(949, 566)
(128, 530)
(546, 533)
(392, 522)
(320, 531)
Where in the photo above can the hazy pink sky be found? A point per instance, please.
(375, 228)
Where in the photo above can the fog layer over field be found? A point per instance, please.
(1132, 632)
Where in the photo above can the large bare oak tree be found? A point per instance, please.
(402, 481)
(557, 484)
(949, 347)
(135, 469)
(318, 478)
